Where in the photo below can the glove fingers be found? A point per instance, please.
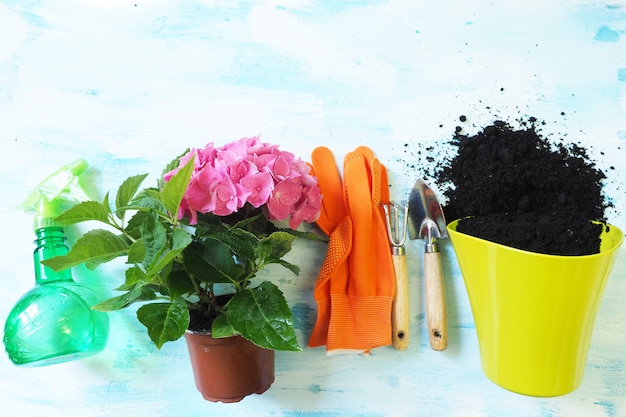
(379, 240)
(385, 270)
(329, 181)
(358, 195)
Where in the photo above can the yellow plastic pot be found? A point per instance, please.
(534, 313)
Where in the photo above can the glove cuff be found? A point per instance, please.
(359, 323)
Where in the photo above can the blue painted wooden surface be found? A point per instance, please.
(129, 84)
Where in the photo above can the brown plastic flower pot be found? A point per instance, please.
(229, 369)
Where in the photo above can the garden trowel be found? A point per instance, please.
(426, 221)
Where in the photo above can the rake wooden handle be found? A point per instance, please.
(435, 301)
(400, 315)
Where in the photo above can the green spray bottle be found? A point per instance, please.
(54, 322)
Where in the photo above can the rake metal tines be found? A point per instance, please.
(397, 216)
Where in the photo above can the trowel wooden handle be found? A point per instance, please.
(400, 315)
(435, 301)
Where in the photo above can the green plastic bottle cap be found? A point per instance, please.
(47, 211)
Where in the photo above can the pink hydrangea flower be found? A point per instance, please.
(248, 171)
(260, 185)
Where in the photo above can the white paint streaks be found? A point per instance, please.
(130, 84)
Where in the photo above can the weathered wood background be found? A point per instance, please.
(130, 84)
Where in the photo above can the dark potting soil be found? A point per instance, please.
(201, 318)
(524, 191)
(199, 322)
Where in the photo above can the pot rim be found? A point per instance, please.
(199, 332)
(209, 333)
(451, 228)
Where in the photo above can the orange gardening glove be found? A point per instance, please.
(361, 312)
(336, 224)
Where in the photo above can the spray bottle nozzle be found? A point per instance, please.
(48, 195)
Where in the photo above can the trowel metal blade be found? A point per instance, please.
(425, 214)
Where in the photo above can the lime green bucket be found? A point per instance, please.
(534, 313)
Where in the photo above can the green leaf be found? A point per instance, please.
(136, 252)
(276, 245)
(255, 222)
(148, 292)
(93, 248)
(149, 198)
(133, 275)
(180, 240)
(210, 260)
(165, 321)
(174, 189)
(84, 211)
(221, 327)
(132, 227)
(173, 164)
(262, 316)
(307, 235)
(126, 192)
(293, 268)
(154, 238)
(121, 301)
(179, 283)
(241, 242)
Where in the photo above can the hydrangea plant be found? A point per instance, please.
(196, 241)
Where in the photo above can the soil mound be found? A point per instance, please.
(524, 191)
